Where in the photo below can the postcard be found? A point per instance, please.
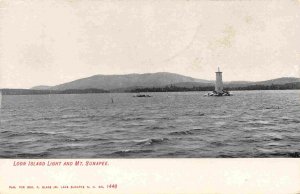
(182, 96)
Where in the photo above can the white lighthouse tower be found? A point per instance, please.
(219, 89)
(219, 82)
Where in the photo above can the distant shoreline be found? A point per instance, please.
(289, 86)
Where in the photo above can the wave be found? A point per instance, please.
(266, 107)
(289, 121)
(260, 124)
(294, 154)
(4, 132)
(133, 119)
(129, 151)
(276, 138)
(39, 133)
(28, 133)
(68, 139)
(16, 135)
(176, 154)
(155, 127)
(218, 143)
(96, 139)
(64, 148)
(32, 155)
(73, 140)
(151, 141)
(187, 132)
(249, 140)
(279, 154)
(42, 119)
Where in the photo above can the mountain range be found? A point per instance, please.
(152, 80)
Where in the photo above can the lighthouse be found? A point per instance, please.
(219, 90)
(219, 82)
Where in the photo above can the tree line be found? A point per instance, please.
(39, 92)
(172, 88)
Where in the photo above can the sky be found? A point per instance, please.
(49, 42)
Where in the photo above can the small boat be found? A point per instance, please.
(142, 95)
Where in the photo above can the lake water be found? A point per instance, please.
(185, 124)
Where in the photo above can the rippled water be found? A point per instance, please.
(248, 124)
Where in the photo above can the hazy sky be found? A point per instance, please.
(44, 42)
